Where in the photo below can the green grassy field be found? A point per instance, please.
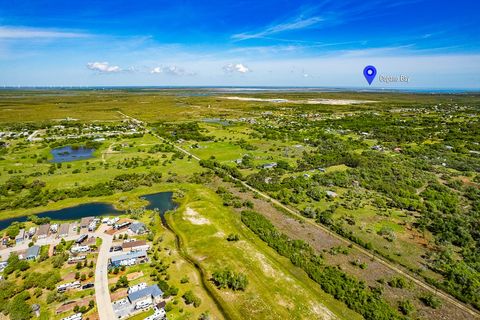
(387, 200)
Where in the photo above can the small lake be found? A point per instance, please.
(69, 153)
(161, 200)
(217, 121)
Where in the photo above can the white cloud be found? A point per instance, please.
(296, 24)
(238, 67)
(172, 70)
(156, 70)
(9, 32)
(103, 67)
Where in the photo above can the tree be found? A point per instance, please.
(431, 301)
(122, 282)
(233, 237)
(190, 298)
(406, 307)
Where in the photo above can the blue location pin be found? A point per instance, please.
(370, 72)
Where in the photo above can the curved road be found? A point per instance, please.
(389, 265)
(102, 293)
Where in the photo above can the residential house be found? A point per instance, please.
(152, 293)
(20, 237)
(269, 165)
(129, 259)
(63, 230)
(138, 228)
(85, 222)
(331, 194)
(43, 231)
(32, 253)
(140, 245)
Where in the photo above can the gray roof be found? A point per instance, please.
(33, 251)
(43, 230)
(135, 227)
(153, 291)
(64, 227)
(85, 221)
(130, 255)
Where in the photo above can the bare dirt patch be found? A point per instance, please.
(194, 217)
(338, 102)
(119, 294)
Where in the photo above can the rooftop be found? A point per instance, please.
(33, 251)
(153, 291)
(43, 230)
(130, 255)
(133, 244)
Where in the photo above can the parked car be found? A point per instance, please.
(87, 286)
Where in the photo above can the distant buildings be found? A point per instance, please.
(331, 194)
(269, 165)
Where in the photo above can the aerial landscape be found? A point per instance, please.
(250, 167)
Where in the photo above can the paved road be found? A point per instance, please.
(398, 269)
(5, 253)
(102, 293)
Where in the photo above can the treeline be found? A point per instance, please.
(354, 293)
(39, 196)
(185, 131)
(222, 170)
(87, 142)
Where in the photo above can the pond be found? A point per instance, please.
(69, 153)
(161, 201)
(216, 121)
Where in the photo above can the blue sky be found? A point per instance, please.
(249, 43)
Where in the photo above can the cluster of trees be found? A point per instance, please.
(14, 296)
(230, 200)
(86, 142)
(19, 183)
(136, 162)
(185, 131)
(222, 170)
(355, 294)
(122, 183)
(164, 147)
(14, 264)
(190, 298)
(14, 303)
(242, 143)
(46, 280)
(226, 278)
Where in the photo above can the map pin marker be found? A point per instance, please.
(370, 72)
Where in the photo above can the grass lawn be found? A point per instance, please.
(276, 289)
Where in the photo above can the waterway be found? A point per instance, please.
(161, 201)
